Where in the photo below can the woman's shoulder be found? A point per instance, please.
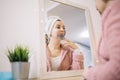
(115, 7)
(111, 10)
(116, 3)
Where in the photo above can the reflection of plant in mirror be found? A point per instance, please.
(18, 54)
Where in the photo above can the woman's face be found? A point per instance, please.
(58, 29)
(100, 5)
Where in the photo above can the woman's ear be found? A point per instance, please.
(50, 35)
(65, 33)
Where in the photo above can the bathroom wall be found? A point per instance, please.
(19, 24)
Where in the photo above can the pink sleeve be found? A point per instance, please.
(111, 69)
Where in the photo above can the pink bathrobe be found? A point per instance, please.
(69, 60)
(109, 46)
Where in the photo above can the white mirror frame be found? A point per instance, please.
(43, 74)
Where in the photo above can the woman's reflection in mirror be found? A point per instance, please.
(62, 54)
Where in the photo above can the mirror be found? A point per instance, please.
(76, 19)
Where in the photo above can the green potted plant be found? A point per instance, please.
(19, 57)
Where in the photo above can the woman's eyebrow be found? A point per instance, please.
(58, 24)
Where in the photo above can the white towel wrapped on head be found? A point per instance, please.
(50, 23)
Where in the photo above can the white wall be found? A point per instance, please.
(19, 24)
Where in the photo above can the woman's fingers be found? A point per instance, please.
(71, 45)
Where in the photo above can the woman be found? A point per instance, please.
(62, 54)
(109, 45)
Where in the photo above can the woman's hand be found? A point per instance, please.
(85, 73)
(69, 44)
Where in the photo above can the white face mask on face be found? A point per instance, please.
(60, 37)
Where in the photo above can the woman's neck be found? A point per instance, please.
(54, 47)
(54, 44)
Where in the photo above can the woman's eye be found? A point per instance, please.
(58, 27)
